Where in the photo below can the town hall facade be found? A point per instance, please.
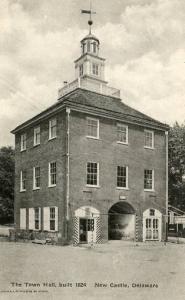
(89, 168)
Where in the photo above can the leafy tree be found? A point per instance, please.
(6, 184)
(177, 166)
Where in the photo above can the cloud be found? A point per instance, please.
(143, 42)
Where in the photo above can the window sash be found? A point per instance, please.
(36, 135)
(81, 70)
(148, 179)
(92, 128)
(52, 174)
(95, 69)
(37, 218)
(23, 141)
(52, 218)
(149, 139)
(122, 176)
(36, 177)
(122, 133)
(52, 128)
(23, 181)
(92, 173)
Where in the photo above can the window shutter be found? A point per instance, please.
(31, 219)
(39, 218)
(56, 218)
(46, 218)
(23, 218)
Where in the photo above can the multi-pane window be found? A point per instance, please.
(122, 177)
(37, 218)
(52, 218)
(52, 174)
(92, 173)
(95, 69)
(23, 181)
(36, 178)
(52, 128)
(149, 139)
(81, 70)
(23, 141)
(92, 128)
(37, 135)
(148, 179)
(122, 133)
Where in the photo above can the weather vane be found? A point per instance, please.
(90, 12)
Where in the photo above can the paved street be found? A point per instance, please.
(116, 270)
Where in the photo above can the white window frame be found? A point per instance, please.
(152, 133)
(23, 142)
(120, 187)
(152, 189)
(98, 172)
(34, 179)
(49, 174)
(98, 128)
(126, 127)
(36, 133)
(50, 128)
(95, 69)
(21, 182)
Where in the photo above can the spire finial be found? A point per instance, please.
(90, 12)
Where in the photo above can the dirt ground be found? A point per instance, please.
(30, 271)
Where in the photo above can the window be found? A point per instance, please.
(88, 46)
(122, 177)
(149, 179)
(23, 181)
(23, 141)
(94, 47)
(52, 218)
(36, 178)
(22, 218)
(37, 218)
(152, 212)
(36, 136)
(93, 128)
(148, 139)
(95, 69)
(50, 221)
(81, 70)
(92, 174)
(52, 128)
(52, 174)
(122, 133)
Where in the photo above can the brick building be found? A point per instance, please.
(90, 168)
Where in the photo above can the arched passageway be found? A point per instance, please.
(121, 222)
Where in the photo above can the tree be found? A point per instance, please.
(6, 184)
(177, 166)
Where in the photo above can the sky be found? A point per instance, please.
(143, 42)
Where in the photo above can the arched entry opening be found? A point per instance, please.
(86, 225)
(152, 225)
(121, 222)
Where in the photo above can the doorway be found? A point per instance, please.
(86, 230)
(152, 225)
(121, 222)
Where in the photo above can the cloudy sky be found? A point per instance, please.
(143, 42)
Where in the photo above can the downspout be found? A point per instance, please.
(67, 169)
(166, 217)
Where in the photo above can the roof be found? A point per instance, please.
(90, 36)
(96, 104)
